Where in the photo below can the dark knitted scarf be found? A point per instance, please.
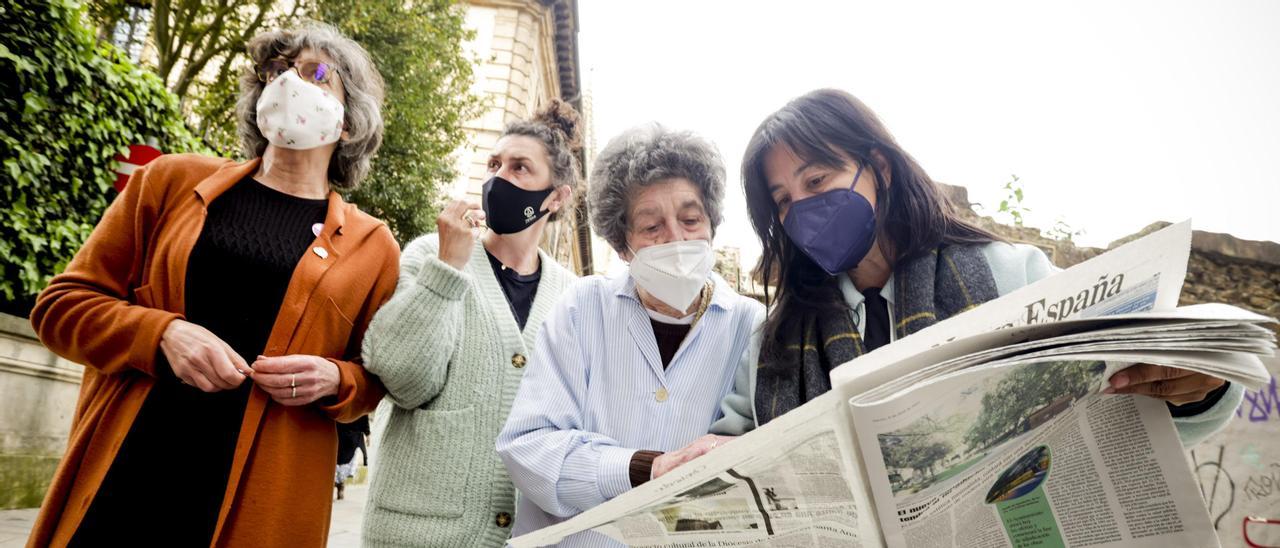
(927, 290)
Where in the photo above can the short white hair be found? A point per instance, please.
(644, 155)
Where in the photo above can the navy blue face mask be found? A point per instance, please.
(835, 228)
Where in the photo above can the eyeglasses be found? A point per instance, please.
(318, 73)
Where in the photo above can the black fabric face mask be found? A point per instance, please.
(509, 209)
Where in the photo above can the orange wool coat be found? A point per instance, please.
(110, 307)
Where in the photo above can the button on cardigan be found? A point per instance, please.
(451, 356)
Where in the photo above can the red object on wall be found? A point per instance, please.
(139, 155)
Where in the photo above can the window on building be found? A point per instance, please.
(131, 31)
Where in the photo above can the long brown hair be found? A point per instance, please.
(829, 127)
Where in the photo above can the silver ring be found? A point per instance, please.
(466, 216)
(294, 394)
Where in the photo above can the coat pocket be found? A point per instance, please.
(142, 296)
(427, 455)
(325, 331)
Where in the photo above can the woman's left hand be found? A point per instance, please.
(1176, 386)
(296, 379)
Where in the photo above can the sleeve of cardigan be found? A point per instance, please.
(359, 390)
(1194, 429)
(415, 334)
(738, 406)
(91, 313)
(551, 458)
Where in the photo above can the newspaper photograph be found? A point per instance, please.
(798, 499)
(1028, 455)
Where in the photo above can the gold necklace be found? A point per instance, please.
(707, 290)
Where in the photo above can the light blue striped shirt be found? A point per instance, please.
(595, 392)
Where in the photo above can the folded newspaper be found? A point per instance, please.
(987, 429)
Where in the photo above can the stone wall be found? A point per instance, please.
(1222, 268)
(38, 393)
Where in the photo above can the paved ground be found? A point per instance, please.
(344, 528)
(14, 526)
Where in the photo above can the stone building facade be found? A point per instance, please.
(528, 54)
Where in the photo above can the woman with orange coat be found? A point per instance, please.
(219, 308)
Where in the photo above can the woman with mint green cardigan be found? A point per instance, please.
(452, 343)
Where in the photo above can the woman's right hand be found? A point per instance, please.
(199, 358)
(455, 226)
(667, 462)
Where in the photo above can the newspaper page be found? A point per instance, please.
(794, 482)
(1145, 274)
(1029, 454)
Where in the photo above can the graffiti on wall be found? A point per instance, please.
(1260, 405)
(1238, 469)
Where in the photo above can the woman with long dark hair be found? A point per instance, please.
(864, 250)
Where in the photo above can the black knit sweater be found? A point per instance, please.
(174, 463)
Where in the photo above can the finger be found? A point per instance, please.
(197, 378)
(287, 396)
(721, 440)
(274, 381)
(1144, 373)
(282, 364)
(242, 367)
(211, 362)
(453, 208)
(1179, 388)
(225, 369)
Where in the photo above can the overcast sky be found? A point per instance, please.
(1114, 114)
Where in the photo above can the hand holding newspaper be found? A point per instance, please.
(988, 429)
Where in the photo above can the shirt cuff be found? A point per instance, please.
(641, 468)
(614, 475)
(1197, 407)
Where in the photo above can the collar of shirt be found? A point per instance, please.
(854, 299)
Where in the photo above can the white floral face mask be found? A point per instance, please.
(293, 113)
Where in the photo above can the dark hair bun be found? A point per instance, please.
(562, 118)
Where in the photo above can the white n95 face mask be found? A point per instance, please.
(293, 113)
(674, 272)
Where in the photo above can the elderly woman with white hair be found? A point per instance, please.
(219, 308)
(628, 372)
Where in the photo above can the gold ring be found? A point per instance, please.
(293, 380)
(294, 394)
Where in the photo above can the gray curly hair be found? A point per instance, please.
(644, 155)
(362, 82)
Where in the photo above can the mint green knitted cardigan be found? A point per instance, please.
(446, 347)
